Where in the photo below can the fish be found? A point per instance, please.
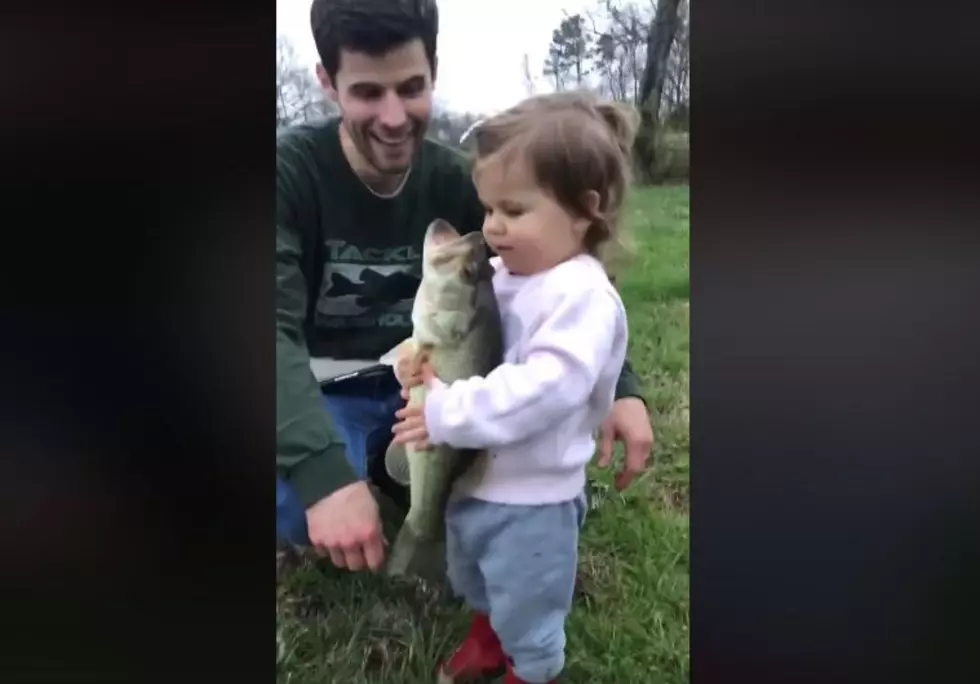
(456, 328)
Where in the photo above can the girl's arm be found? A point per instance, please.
(562, 362)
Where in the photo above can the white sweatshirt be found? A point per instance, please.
(565, 344)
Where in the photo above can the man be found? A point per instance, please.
(354, 197)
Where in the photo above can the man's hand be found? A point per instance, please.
(346, 525)
(628, 422)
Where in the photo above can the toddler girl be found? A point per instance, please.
(552, 173)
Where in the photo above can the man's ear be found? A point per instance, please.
(324, 78)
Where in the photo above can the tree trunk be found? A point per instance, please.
(661, 37)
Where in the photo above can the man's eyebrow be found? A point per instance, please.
(376, 84)
(412, 80)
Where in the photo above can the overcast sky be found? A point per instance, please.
(481, 46)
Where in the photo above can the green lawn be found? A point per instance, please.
(630, 622)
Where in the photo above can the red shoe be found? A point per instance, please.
(514, 679)
(480, 655)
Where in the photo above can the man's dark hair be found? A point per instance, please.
(373, 27)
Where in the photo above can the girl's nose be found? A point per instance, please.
(492, 225)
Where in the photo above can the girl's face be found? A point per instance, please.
(524, 225)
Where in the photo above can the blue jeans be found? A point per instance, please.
(518, 564)
(363, 412)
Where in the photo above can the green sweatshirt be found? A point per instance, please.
(348, 264)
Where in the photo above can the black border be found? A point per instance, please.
(139, 393)
(834, 374)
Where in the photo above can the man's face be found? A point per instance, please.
(385, 103)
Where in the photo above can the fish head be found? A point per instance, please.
(454, 266)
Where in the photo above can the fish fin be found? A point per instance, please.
(411, 555)
(396, 463)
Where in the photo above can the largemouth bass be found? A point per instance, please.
(457, 329)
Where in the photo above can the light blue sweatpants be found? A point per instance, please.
(518, 564)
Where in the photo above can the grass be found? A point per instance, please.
(630, 621)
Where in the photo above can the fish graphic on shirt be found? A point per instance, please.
(356, 289)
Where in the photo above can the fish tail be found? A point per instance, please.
(411, 554)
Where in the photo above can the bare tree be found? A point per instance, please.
(298, 95)
(677, 89)
(663, 29)
(627, 28)
(620, 33)
(633, 51)
(609, 67)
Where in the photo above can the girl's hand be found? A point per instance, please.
(410, 427)
(404, 367)
(425, 376)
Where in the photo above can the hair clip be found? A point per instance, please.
(470, 130)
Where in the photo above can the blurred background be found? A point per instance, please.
(493, 54)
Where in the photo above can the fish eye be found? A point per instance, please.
(440, 258)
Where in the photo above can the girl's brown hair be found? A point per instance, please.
(572, 143)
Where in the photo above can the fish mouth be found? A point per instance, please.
(441, 232)
(475, 238)
(478, 245)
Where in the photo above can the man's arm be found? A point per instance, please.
(309, 453)
(628, 384)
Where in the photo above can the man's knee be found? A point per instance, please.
(290, 516)
(360, 421)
